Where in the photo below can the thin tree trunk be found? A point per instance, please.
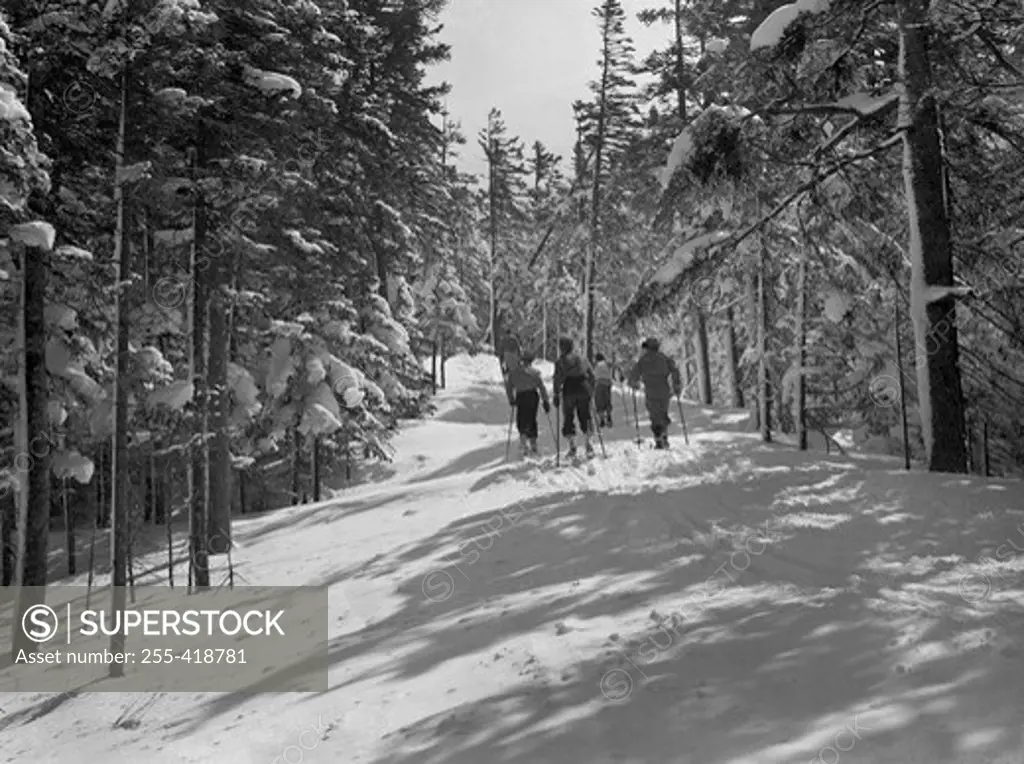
(296, 465)
(8, 536)
(988, 469)
(199, 564)
(970, 446)
(34, 522)
(763, 391)
(903, 388)
(544, 327)
(703, 358)
(731, 361)
(687, 368)
(218, 411)
(69, 528)
(433, 365)
(493, 236)
(938, 368)
(119, 470)
(242, 499)
(800, 396)
(169, 535)
(316, 468)
(753, 334)
(444, 381)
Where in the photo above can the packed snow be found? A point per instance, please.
(726, 602)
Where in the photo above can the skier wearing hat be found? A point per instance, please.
(574, 384)
(655, 368)
(526, 391)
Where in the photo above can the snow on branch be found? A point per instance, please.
(38, 235)
(773, 29)
(12, 109)
(716, 45)
(271, 82)
(652, 295)
(858, 104)
(868, 105)
(938, 293)
(685, 256)
(682, 147)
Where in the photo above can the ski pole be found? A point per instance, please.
(600, 439)
(682, 420)
(636, 420)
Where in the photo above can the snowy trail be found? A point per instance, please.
(729, 602)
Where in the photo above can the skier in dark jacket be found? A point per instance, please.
(509, 352)
(656, 369)
(574, 384)
(526, 391)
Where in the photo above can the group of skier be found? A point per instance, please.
(580, 390)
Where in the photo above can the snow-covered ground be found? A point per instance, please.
(729, 602)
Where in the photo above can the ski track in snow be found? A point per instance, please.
(726, 602)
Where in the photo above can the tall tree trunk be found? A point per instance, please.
(903, 386)
(34, 520)
(296, 489)
(753, 334)
(544, 327)
(316, 468)
(731, 361)
(700, 339)
(199, 564)
(687, 368)
(218, 412)
(119, 470)
(444, 381)
(678, 25)
(590, 268)
(493, 237)
(938, 369)
(8, 536)
(68, 509)
(764, 398)
(800, 340)
(433, 364)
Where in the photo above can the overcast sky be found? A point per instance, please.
(529, 58)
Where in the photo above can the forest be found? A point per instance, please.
(236, 247)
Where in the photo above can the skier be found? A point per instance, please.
(603, 391)
(509, 351)
(525, 391)
(655, 368)
(574, 384)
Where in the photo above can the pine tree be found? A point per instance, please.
(607, 125)
(503, 197)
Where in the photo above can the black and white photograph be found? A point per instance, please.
(511, 381)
